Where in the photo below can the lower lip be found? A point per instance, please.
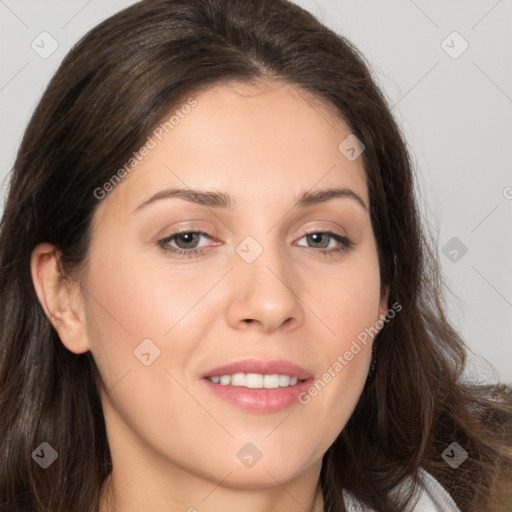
(263, 401)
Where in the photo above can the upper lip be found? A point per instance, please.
(276, 366)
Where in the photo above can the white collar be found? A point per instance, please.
(431, 496)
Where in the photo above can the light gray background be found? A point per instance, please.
(455, 112)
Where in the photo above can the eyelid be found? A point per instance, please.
(189, 228)
(179, 231)
(339, 230)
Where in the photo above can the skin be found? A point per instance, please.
(173, 442)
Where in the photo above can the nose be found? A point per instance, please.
(264, 294)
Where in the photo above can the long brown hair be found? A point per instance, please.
(110, 91)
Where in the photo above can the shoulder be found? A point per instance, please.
(431, 496)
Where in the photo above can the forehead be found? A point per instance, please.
(265, 140)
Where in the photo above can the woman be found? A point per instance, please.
(174, 338)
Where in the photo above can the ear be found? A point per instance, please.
(383, 308)
(60, 298)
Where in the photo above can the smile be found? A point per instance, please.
(256, 380)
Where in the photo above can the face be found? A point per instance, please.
(225, 326)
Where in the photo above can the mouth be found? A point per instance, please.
(259, 386)
(256, 380)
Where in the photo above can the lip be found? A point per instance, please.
(261, 401)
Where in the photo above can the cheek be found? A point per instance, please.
(142, 339)
(145, 323)
(347, 298)
(349, 309)
(127, 316)
(131, 300)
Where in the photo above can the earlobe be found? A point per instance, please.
(384, 304)
(60, 298)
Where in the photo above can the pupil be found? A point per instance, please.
(317, 238)
(188, 238)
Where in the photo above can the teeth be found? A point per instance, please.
(238, 379)
(271, 381)
(284, 380)
(255, 380)
(225, 380)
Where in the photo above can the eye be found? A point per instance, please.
(186, 241)
(322, 242)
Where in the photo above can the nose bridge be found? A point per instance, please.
(264, 288)
(261, 262)
(261, 246)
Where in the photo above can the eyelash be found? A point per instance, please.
(346, 244)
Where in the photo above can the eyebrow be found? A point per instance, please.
(216, 199)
